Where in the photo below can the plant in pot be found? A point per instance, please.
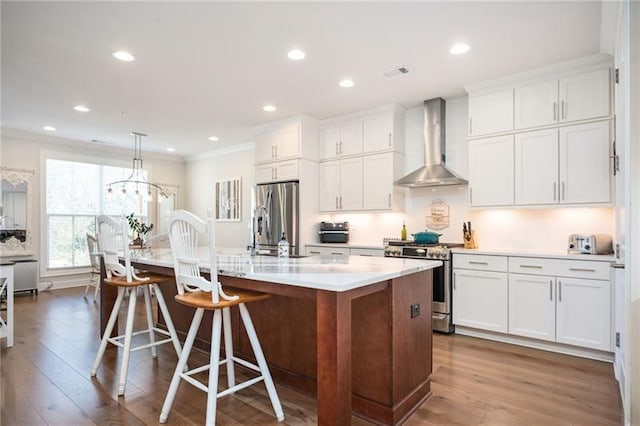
(139, 229)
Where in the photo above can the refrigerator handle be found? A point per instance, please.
(267, 214)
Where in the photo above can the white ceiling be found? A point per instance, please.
(207, 69)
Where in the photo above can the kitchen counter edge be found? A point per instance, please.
(537, 253)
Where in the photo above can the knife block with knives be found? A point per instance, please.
(468, 236)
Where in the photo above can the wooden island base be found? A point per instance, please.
(362, 342)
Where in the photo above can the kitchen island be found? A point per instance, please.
(354, 331)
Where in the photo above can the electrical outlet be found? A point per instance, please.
(415, 310)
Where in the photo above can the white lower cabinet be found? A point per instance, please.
(563, 301)
(583, 313)
(327, 251)
(556, 300)
(480, 299)
(532, 306)
(320, 250)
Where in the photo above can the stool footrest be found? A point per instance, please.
(117, 340)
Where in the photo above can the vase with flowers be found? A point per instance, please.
(140, 229)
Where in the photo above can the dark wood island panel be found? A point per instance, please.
(331, 344)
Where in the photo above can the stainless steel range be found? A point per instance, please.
(442, 303)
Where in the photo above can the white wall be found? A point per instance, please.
(521, 229)
(202, 173)
(26, 151)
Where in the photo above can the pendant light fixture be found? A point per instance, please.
(137, 176)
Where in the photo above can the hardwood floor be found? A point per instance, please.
(45, 380)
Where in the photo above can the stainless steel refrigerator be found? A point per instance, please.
(277, 211)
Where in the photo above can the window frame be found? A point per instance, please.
(45, 270)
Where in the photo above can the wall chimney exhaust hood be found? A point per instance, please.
(435, 171)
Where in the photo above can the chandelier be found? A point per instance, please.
(137, 176)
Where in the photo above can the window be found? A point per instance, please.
(76, 193)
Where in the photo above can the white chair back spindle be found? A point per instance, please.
(184, 228)
(113, 239)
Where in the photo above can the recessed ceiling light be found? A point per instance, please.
(459, 49)
(296, 54)
(214, 138)
(170, 149)
(81, 108)
(269, 108)
(346, 83)
(49, 128)
(123, 56)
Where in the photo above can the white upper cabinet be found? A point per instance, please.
(378, 189)
(561, 127)
(580, 97)
(585, 175)
(585, 96)
(329, 186)
(378, 133)
(341, 185)
(287, 139)
(566, 165)
(279, 171)
(341, 141)
(536, 105)
(491, 113)
(536, 167)
(491, 171)
(280, 144)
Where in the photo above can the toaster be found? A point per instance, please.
(590, 244)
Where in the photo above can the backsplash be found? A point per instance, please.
(503, 229)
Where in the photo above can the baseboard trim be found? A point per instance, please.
(536, 344)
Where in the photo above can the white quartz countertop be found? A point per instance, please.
(537, 253)
(317, 272)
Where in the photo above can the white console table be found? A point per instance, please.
(6, 321)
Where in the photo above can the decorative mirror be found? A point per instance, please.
(15, 212)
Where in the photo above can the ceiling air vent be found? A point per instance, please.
(394, 72)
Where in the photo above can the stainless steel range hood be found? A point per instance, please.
(435, 171)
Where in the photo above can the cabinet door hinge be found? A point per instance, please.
(617, 75)
(617, 339)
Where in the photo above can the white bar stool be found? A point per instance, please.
(6, 285)
(113, 238)
(197, 292)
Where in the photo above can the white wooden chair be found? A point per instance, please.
(3, 287)
(197, 292)
(113, 241)
(94, 273)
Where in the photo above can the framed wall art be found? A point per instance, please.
(228, 201)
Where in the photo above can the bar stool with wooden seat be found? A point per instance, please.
(197, 292)
(113, 241)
